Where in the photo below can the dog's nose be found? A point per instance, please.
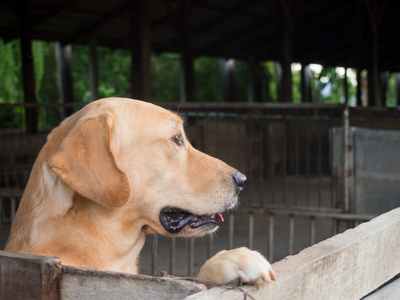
(240, 180)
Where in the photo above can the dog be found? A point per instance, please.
(118, 170)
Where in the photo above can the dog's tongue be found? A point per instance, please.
(219, 217)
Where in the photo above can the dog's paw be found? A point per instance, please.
(241, 263)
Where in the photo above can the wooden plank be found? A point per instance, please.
(83, 283)
(25, 276)
(346, 266)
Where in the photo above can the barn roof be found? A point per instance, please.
(329, 32)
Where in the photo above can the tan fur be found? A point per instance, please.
(99, 183)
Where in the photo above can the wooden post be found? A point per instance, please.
(359, 85)
(140, 50)
(346, 87)
(187, 69)
(290, 10)
(254, 90)
(306, 83)
(384, 85)
(93, 70)
(63, 59)
(286, 64)
(227, 67)
(397, 87)
(22, 10)
(375, 14)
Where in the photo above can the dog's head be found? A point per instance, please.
(134, 159)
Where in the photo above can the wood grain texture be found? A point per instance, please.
(82, 283)
(25, 276)
(346, 266)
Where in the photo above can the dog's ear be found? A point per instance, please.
(87, 162)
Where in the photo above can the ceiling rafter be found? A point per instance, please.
(327, 32)
(90, 29)
(56, 11)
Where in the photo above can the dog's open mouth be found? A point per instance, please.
(174, 219)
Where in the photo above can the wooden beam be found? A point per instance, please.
(79, 283)
(212, 23)
(24, 276)
(140, 50)
(58, 10)
(346, 266)
(91, 28)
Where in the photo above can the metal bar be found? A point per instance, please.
(231, 230)
(332, 179)
(312, 231)
(306, 212)
(271, 238)
(319, 163)
(210, 247)
(251, 231)
(13, 209)
(154, 250)
(291, 234)
(249, 157)
(262, 163)
(347, 159)
(284, 162)
(191, 257)
(172, 256)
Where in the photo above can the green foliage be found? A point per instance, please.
(328, 86)
(38, 52)
(165, 77)
(391, 94)
(296, 85)
(10, 72)
(269, 81)
(114, 68)
(208, 79)
(242, 79)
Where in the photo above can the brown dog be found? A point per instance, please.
(120, 169)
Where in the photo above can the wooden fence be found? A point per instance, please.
(350, 265)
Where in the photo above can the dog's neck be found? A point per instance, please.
(79, 231)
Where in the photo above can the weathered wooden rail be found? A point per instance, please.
(350, 265)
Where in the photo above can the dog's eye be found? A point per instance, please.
(178, 139)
